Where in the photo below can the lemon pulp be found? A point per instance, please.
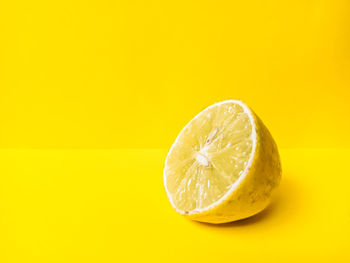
(208, 157)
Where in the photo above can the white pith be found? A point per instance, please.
(201, 158)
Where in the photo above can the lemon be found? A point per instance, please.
(223, 166)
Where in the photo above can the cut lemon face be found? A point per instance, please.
(223, 166)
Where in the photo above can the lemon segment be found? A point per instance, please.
(206, 166)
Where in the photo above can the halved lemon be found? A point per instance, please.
(223, 166)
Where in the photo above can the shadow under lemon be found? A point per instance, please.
(283, 209)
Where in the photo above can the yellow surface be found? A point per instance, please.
(110, 206)
(113, 74)
(108, 74)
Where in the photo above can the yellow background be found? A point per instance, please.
(92, 93)
(110, 206)
(110, 74)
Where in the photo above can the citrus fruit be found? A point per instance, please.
(223, 166)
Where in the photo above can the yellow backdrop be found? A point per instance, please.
(130, 74)
(110, 74)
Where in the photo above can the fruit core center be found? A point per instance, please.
(202, 158)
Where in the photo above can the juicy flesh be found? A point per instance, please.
(211, 153)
